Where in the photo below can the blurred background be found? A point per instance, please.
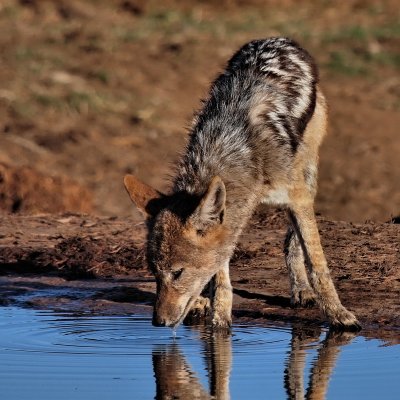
(93, 89)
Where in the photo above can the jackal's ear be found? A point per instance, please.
(148, 200)
(212, 206)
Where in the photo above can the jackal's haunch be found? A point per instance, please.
(255, 141)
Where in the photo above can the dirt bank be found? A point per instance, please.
(25, 190)
(87, 263)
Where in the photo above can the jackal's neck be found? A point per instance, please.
(196, 171)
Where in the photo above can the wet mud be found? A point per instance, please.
(90, 264)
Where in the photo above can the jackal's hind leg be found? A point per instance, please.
(305, 225)
(302, 294)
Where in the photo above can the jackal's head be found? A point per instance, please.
(187, 244)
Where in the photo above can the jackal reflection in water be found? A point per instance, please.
(175, 378)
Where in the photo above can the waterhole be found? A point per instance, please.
(45, 355)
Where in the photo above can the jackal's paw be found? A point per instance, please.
(200, 310)
(222, 321)
(343, 320)
(303, 297)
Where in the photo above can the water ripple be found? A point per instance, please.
(91, 354)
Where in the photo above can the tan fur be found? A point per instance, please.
(202, 243)
(140, 193)
(214, 236)
(301, 212)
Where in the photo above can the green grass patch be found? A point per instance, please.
(8, 12)
(362, 34)
(81, 102)
(356, 50)
(385, 58)
(345, 64)
(46, 100)
(27, 54)
(188, 23)
(100, 75)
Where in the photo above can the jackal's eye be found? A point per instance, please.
(176, 274)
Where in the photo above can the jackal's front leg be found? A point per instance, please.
(200, 311)
(222, 299)
(304, 223)
(218, 306)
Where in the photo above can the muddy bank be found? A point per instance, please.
(94, 264)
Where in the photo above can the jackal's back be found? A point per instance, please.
(263, 100)
(285, 76)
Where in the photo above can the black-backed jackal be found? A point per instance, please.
(255, 140)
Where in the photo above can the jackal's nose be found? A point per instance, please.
(158, 321)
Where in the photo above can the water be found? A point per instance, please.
(61, 356)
